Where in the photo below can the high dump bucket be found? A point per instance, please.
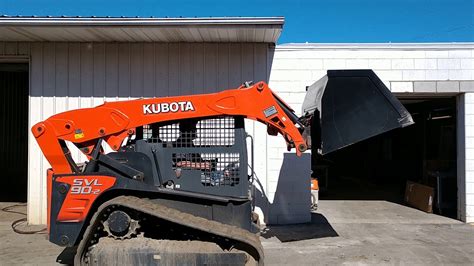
(350, 106)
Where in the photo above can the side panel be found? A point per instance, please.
(83, 191)
(68, 232)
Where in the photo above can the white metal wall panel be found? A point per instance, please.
(67, 76)
(447, 67)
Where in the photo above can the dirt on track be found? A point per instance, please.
(146, 251)
(107, 243)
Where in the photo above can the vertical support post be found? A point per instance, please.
(465, 153)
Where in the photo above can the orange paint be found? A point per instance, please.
(83, 191)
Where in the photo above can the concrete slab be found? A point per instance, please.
(21, 249)
(377, 211)
(341, 233)
(371, 233)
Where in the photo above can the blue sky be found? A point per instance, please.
(306, 20)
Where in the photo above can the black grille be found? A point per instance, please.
(214, 132)
(217, 169)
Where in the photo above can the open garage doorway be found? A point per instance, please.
(379, 168)
(14, 132)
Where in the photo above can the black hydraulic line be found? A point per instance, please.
(67, 154)
(252, 177)
(288, 112)
(92, 164)
(153, 151)
(16, 223)
(95, 153)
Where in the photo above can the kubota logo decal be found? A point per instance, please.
(173, 107)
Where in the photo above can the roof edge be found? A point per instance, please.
(372, 46)
(137, 21)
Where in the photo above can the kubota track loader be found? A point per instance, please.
(176, 188)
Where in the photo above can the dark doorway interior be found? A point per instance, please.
(14, 132)
(378, 168)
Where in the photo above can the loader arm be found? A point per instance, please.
(115, 121)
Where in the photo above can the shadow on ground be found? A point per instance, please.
(318, 228)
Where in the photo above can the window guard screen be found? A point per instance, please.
(213, 132)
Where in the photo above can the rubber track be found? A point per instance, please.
(172, 215)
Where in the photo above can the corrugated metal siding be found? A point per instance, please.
(67, 76)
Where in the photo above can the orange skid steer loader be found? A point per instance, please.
(176, 187)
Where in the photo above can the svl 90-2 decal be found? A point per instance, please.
(86, 186)
(82, 193)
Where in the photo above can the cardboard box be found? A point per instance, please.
(419, 196)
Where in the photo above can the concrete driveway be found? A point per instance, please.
(342, 232)
(371, 232)
(18, 249)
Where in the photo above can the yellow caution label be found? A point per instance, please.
(79, 135)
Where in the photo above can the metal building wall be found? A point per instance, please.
(420, 69)
(66, 76)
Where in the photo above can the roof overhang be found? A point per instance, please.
(108, 29)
